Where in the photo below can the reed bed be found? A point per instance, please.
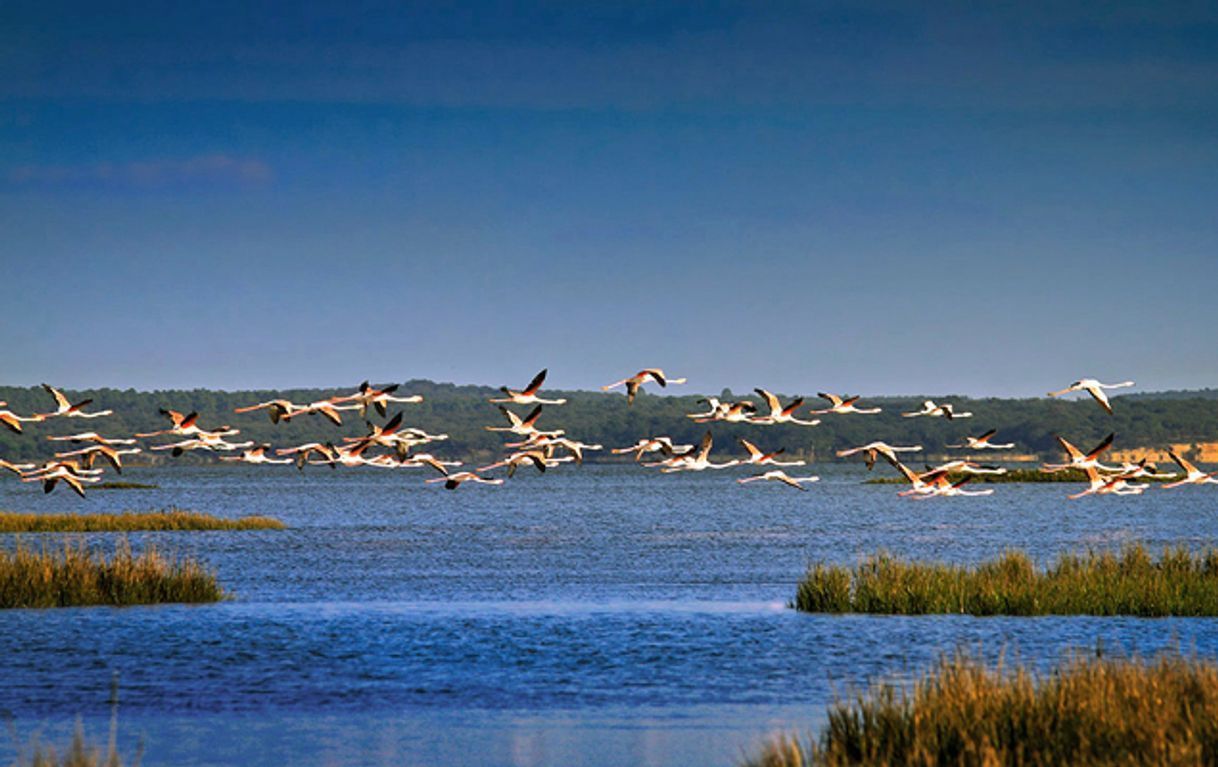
(1129, 582)
(75, 576)
(129, 521)
(80, 753)
(1089, 711)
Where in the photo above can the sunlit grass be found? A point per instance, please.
(129, 521)
(80, 753)
(73, 575)
(1092, 711)
(1130, 582)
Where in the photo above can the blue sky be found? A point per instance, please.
(880, 199)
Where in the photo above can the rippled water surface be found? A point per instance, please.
(599, 616)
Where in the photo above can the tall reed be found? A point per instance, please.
(73, 575)
(1130, 582)
(129, 521)
(1092, 711)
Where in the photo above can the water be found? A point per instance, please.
(598, 616)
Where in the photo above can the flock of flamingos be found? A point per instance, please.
(394, 445)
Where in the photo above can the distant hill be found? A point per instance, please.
(1141, 420)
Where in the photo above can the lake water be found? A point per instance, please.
(602, 615)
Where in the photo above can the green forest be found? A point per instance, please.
(462, 412)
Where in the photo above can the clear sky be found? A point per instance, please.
(887, 199)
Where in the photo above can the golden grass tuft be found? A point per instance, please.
(75, 576)
(1130, 582)
(1092, 711)
(129, 521)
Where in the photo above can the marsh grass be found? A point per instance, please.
(80, 752)
(1011, 476)
(75, 576)
(1130, 582)
(1092, 711)
(129, 521)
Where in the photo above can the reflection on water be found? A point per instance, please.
(602, 616)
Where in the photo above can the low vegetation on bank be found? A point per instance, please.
(76, 576)
(124, 486)
(129, 521)
(79, 753)
(1129, 582)
(1095, 711)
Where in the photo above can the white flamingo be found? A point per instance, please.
(929, 408)
(635, 381)
(66, 409)
(523, 426)
(14, 421)
(778, 413)
(874, 449)
(1094, 388)
(369, 396)
(1113, 485)
(1079, 459)
(1192, 475)
(758, 458)
(696, 460)
(843, 405)
(528, 395)
(984, 442)
(778, 475)
(651, 445)
(256, 455)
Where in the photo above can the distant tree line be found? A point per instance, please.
(462, 412)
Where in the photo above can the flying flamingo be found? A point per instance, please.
(1113, 485)
(758, 458)
(67, 410)
(1078, 459)
(652, 445)
(778, 475)
(874, 449)
(1094, 388)
(780, 414)
(91, 436)
(368, 395)
(929, 408)
(983, 442)
(524, 427)
(1192, 475)
(256, 455)
(14, 421)
(528, 395)
(696, 460)
(633, 383)
(90, 453)
(842, 405)
(453, 481)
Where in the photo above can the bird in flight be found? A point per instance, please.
(635, 381)
(527, 395)
(1095, 389)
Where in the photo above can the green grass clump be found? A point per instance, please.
(75, 576)
(1130, 582)
(1092, 711)
(129, 521)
